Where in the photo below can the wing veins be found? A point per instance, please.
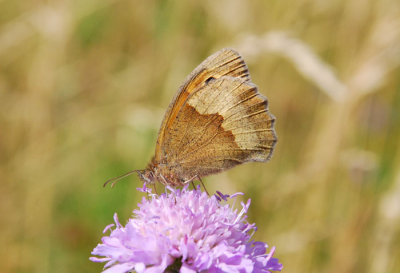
(246, 116)
(228, 62)
(199, 147)
(238, 103)
(245, 71)
(260, 146)
(253, 131)
(244, 109)
(209, 123)
(215, 159)
(192, 125)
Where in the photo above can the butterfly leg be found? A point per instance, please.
(191, 181)
(201, 181)
(155, 188)
(165, 182)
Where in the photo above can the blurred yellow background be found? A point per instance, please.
(83, 89)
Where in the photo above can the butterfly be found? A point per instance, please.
(216, 120)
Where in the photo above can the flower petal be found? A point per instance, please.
(188, 226)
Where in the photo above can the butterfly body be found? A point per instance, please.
(216, 121)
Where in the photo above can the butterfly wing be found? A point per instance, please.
(225, 62)
(220, 125)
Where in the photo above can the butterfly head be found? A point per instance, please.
(147, 176)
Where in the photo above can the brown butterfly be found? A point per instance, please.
(216, 121)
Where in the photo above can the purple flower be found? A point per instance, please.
(185, 231)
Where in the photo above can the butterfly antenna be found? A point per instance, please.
(116, 179)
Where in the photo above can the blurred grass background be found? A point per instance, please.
(83, 89)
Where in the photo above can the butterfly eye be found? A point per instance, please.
(210, 79)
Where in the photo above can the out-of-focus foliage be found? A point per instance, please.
(84, 85)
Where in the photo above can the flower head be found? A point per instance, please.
(185, 231)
